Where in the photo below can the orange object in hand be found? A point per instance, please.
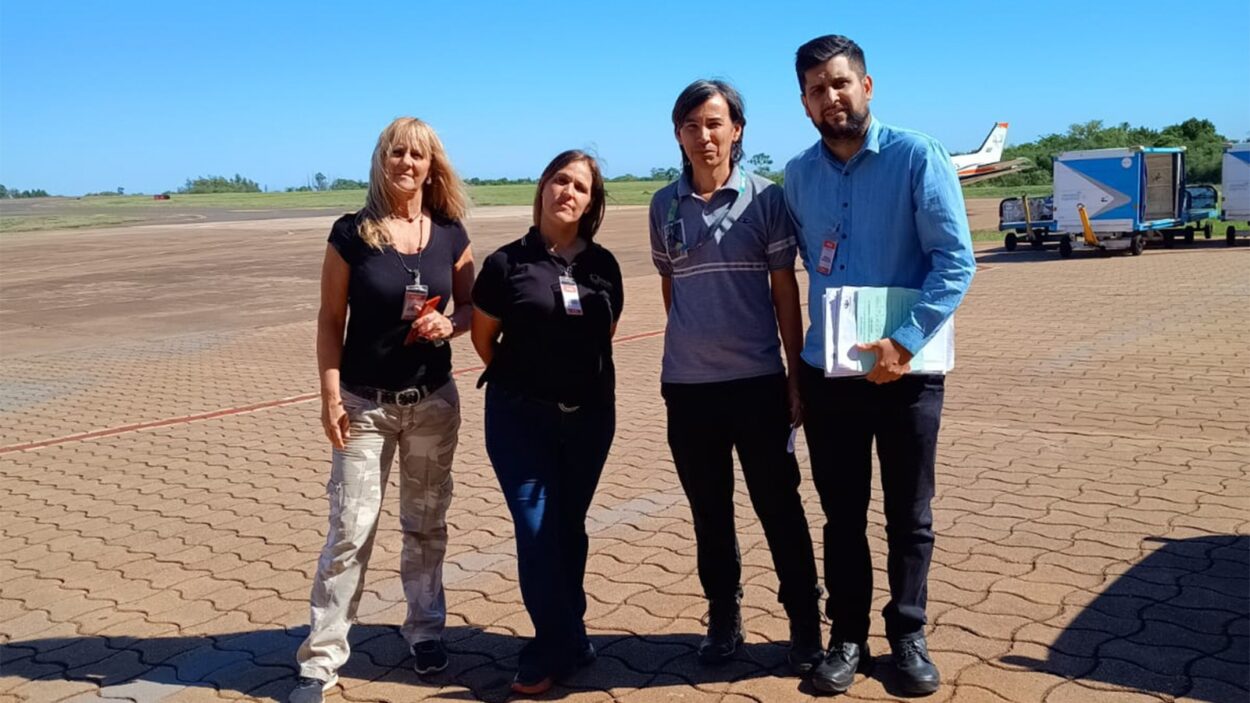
(430, 306)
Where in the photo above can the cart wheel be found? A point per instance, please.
(1189, 235)
(1065, 246)
(1168, 240)
(1137, 244)
(1206, 231)
(1232, 236)
(1010, 241)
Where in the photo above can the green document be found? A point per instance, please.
(856, 315)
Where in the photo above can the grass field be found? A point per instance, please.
(105, 211)
(622, 193)
(32, 223)
(625, 193)
(1000, 192)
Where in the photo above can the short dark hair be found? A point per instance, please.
(593, 217)
(700, 92)
(821, 49)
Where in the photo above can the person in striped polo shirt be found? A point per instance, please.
(725, 248)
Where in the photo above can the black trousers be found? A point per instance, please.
(706, 422)
(842, 418)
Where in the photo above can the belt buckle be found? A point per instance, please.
(410, 396)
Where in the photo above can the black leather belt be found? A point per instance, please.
(408, 396)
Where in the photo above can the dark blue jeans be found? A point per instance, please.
(843, 417)
(548, 461)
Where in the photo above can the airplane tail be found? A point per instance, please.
(992, 148)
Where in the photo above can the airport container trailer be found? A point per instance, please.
(1114, 199)
(1236, 181)
(1028, 219)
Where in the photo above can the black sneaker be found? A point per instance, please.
(806, 651)
(836, 672)
(310, 690)
(431, 657)
(586, 656)
(917, 675)
(724, 634)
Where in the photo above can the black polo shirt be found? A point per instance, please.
(544, 352)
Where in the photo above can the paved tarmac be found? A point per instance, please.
(162, 475)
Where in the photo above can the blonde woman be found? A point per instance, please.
(386, 389)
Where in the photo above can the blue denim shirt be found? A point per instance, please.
(896, 213)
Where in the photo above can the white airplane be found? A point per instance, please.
(985, 162)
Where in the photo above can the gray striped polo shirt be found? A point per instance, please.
(721, 324)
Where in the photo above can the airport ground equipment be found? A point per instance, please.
(1202, 204)
(1115, 199)
(1028, 219)
(1236, 181)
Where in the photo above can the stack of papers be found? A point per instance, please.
(858, 315)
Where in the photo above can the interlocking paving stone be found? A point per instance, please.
(1093, 512)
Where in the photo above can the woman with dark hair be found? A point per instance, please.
(546, 308)
(388, 275)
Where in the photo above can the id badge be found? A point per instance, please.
(827, 252)
(572, 301)
(675, 240)
(415, 296)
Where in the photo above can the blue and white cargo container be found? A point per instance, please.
(1236, 181)
(1127, 194)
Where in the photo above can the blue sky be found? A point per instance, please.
(144, 95)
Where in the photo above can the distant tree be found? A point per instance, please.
(4, 192)
(299, 189)
(320, 181)
(348, 184)
(220, 184)
(763, 164)
(1204, 148)
(499, 181)
(121, 190)
(664, 174)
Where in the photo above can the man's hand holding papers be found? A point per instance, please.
(859, 321)
(892, 360)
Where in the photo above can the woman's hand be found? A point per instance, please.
(335, 422)
(433, 326)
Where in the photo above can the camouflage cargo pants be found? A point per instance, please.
(424, 435)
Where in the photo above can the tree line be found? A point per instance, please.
(15, 193)
(1203, 144)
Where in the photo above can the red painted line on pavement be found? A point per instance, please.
(108, 432)
(225, 412)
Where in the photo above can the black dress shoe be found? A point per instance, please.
(837, 671)
(917, 676)
(724, 634)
